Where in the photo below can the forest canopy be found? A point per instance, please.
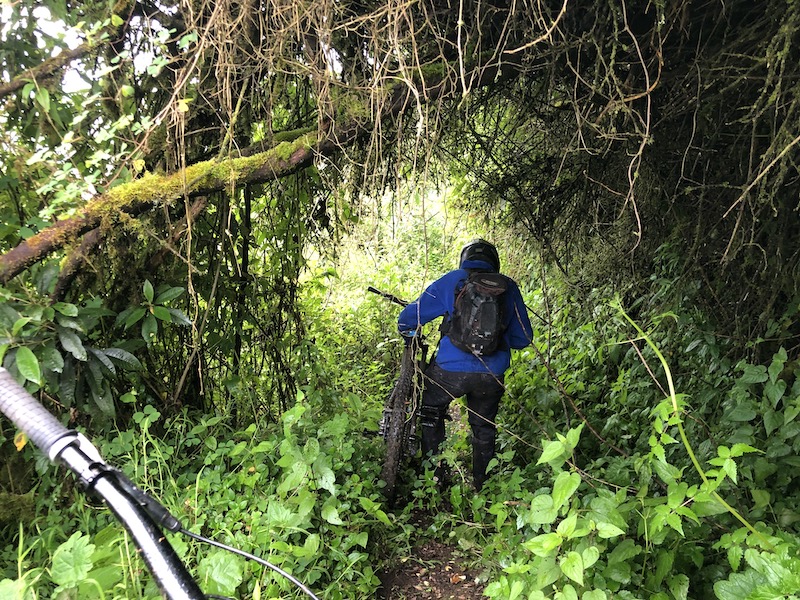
(606, 130)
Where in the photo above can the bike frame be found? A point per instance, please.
(141, 515)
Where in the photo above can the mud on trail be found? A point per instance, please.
(432, 572)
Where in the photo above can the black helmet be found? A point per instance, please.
(480, 250)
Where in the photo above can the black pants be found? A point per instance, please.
(483, 392)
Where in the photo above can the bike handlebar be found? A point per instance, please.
(135, 510)
(388, 296)
(41, 427)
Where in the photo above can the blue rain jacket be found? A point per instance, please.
(438, 299)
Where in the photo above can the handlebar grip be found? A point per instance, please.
(28, 414)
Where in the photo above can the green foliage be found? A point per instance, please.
(63, 347)
(303, 494)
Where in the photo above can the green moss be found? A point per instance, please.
(16, 507)
(208, 175)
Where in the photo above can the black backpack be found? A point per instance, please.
(478, 314)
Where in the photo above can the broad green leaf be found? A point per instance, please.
(162, 314)
(106, 577)
(542, 510)
(624, 551)
(70, 323)
(135, 316)
(742, 413)
(72, 561)
(179, 317)
(72, 344)
(14, 590)
(741, 449)
(237, 449)
(312, 544)
(564, 486)
(772, 421)
(331, 515)
(28, 364)
(327, 480)
(548, 572)
(679, 586)
(607, 530)
(147, 290)
(149, 329)
(776, 366)
(169, 294)
(19, 324)
(676, 492)
(494, 590)
(590, 555)
(774, 391)
(66, 309)
(551, 451)
(574, 436)
(735, 554)
(567, 526)
(128, 398)
(516, 590)
(220, 573)
(664, 561)
(104, 400)
(543, 545)
(101, 357)
(125, 357)
(753, 374)
(760, 497)
(572, 566)
(43, 98)
(568, 593)
(619, 572)
(52, 360)
(594, 595)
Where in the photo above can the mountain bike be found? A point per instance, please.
(141, 514)
(398, 425)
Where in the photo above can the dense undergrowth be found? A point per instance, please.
(608, 483)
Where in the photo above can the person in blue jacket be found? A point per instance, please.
(456, 373)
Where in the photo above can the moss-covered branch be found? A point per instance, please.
(139, 195)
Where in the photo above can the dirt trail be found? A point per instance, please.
(432, 572)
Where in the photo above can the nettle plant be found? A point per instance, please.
(715, 521)
(303, 493)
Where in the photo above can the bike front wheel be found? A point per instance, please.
(398, 423)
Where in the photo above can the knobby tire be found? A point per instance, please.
(399, 422)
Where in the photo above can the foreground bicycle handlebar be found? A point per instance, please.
(140, 514)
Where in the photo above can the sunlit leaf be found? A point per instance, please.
(551, 451)
(20, 439)
(564, 486)
(220, 573)
(331, 515)
(28, 364)
(72, 561)
(572, 566)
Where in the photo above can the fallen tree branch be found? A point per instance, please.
(206, 177)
